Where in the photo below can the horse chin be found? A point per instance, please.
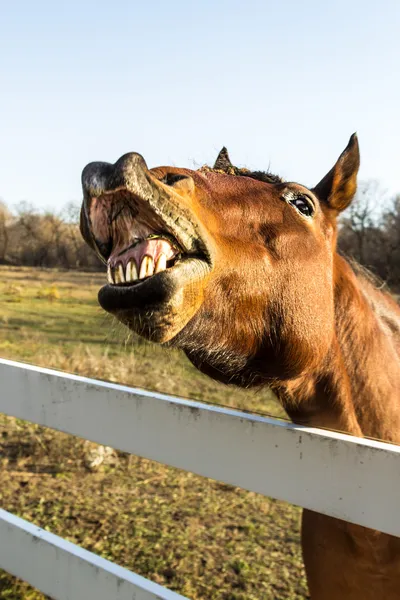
(159, 307)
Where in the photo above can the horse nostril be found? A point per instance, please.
(172, 178)
(182, 184)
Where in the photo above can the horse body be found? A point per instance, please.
(361, 382)
(239, 269)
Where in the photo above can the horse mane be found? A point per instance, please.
(364, 274)
(229, 169)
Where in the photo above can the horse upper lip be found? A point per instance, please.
(130, 173)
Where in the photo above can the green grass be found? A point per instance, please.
(201, 538)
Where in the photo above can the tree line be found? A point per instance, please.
(34, 238)
(369, 232)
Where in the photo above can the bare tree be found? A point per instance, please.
(360, 219)
(5, 221)
(49, 239)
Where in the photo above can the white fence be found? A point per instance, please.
(346, 477)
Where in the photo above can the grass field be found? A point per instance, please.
(201, 538)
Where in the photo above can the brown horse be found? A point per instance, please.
(239, 269)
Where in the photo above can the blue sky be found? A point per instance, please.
(282, 84)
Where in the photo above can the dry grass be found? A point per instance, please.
(204, 539)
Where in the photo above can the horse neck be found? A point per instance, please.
(356, 389)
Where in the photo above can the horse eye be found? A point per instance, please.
(303, 205)
(171, 178)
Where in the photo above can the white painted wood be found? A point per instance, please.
(346, 477)
(65, 571)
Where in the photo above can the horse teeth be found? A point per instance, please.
(128, 272)
(119, 274)
(161, 264)
(131, 271)
(109, 275)
(146, 267)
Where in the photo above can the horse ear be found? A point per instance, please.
(338, 187)
(223, 161)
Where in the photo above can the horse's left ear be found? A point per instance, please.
(338, 187)
(223, 161)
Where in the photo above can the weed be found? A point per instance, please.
(51, 294)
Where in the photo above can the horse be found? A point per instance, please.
(240, 270)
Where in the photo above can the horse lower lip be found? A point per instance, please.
(155, 291)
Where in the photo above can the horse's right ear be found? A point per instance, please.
(223, 161)
(338, 187)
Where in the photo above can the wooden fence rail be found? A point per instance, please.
(354, 479)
